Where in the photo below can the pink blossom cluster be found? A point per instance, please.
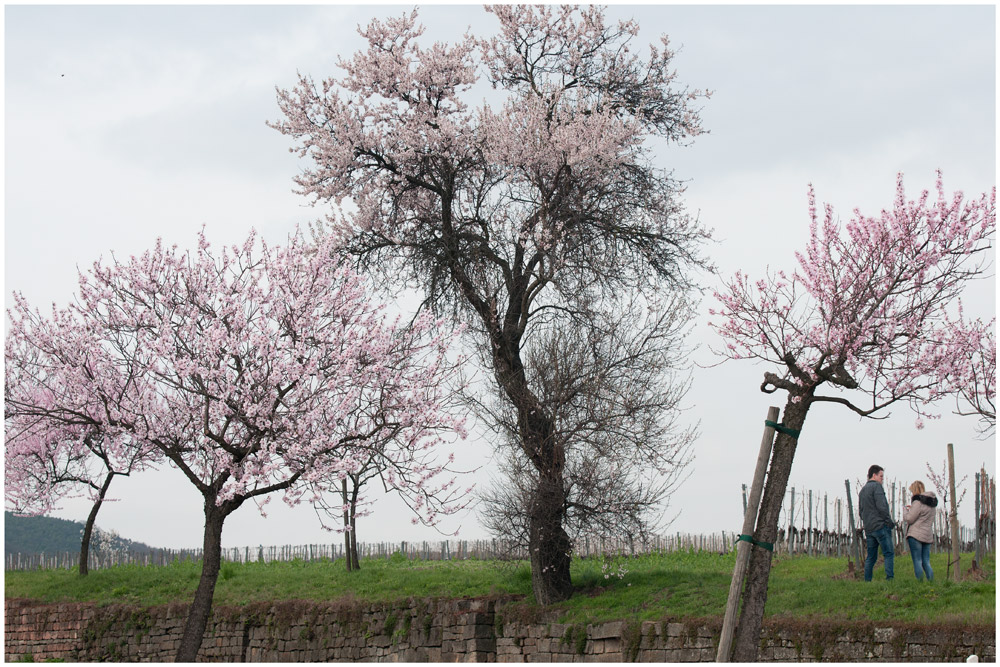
(59, 438)
(868, 306)
(968, 370)
(401, 138)
(252, 369)
(43, 464)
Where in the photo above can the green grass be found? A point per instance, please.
(241, 583)
(677, 585)
(810, 588)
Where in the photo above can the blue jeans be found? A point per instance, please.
(881, 538)
(920, 552)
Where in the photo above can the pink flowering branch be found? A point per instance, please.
(968, 369)
(253, 369)
(866, 314)
(61, 435)
(864, 309)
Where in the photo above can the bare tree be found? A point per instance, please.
(614, 386)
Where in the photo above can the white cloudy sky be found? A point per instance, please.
(124, 124)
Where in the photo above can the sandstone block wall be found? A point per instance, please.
(444, 631)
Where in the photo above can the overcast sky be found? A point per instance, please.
(124, 124)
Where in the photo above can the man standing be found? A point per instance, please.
(877, 522)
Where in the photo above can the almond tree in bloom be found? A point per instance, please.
(540, 208)
(245, 368)
(46, 462)
(866, 316)
(55, 444)
(975, 382)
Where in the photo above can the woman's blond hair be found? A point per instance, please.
(917, 487)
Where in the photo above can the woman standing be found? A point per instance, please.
(919, 516)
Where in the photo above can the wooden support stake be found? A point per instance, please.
(743, 547)
(955, 543)
(809, 535)
(791, 522)
(854, 544)
(979, 556)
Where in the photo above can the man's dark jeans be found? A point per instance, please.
(879, 539)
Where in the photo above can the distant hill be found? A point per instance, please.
(35, 534)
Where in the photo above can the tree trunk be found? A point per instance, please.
(201, 607)
(347, 525)
(549, 545)
(354, 525)
(747, 638)
(88, 528)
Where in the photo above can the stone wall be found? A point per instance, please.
(698, 641)
(444, 631)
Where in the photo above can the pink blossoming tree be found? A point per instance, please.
(246, 368)
(46, 462)
(866, 315)
(57, 439)
(973, 378)
(537, 210)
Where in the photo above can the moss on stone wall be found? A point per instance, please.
(444, 630)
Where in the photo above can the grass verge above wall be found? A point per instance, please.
(676, 585)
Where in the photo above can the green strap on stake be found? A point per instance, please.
(762, 545)
(780, 428)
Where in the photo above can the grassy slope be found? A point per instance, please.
(680, 585)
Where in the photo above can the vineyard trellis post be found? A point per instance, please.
(992, 525)
(978, 558)
(955, 540)
(809, 537)
(854, 542)
(896, 532)
(826, 526)
(744, 541)
(791, 522)
(986, 521)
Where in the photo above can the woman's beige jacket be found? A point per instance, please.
(920, 518)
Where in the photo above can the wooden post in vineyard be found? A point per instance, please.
(854, 544)
(989, 512)
(745, 538)
(809, 536)
(992, 495)
(826, 526)
(840, 529)
(978, 557)
(955, 541)
(791, 522)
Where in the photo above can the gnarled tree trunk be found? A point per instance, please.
(549, 544)
(747, 637)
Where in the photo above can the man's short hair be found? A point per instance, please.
(874, 470)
